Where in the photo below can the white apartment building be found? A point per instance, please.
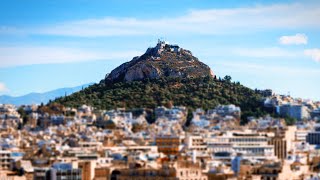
(196, 142)
(301, 135)
(250, 144)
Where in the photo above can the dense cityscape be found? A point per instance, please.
(87, 143)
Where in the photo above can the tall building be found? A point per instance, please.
(313, 137)
(280, 147)
(296, 111)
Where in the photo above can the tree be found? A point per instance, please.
(227, 78)
(290, 120)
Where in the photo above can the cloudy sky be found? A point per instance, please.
(46, 45)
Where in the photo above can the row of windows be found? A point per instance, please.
(248, 140)
(168, 144)
(187, 173)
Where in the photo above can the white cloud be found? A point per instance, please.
(255, 68)
(209, 21)
(313, 53)
(3, 87)
(265, 52)
(15, 56)
(295, 39)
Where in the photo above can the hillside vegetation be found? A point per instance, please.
(194, 93)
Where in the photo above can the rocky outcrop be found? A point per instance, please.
(142, 71)
(162, 60)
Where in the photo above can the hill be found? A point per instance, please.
(194, 93)
(163, 60)
(38, 98)
(166, 74)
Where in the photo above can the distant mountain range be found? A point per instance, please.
(38, 98)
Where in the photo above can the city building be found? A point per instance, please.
(313, 137)
(296, 111)
(280, 146)
(64, 171)
(169, 144)
(6, 160)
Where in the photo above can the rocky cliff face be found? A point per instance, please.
(164, 60)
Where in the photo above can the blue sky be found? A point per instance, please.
(46, 45)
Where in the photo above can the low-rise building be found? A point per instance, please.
(6, 160)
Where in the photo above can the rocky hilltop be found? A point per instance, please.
(163, 60)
